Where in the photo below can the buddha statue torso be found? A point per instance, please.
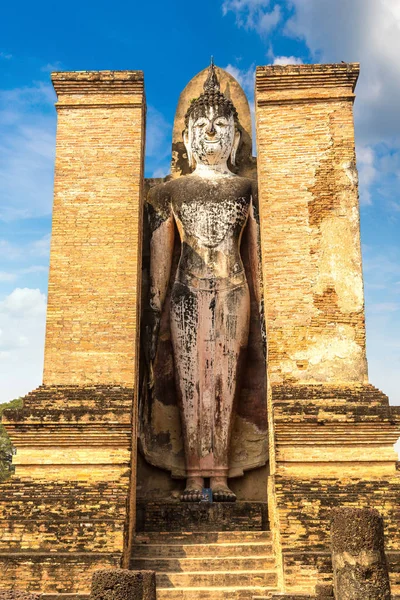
(210, 216)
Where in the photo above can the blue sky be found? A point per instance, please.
(171, 42)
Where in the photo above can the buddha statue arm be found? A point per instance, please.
(162, 229)
(253, 237)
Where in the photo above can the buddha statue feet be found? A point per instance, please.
(221, 491)
(193, 491)
(224, 495)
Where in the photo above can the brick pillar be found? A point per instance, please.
(307, 175)
(92, 316)
(73, 493)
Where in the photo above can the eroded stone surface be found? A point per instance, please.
(360, 569)
(123, 584)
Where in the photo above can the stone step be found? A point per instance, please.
(204, 537)
(225, 549)
(231, 563)
(213, 593)
(216, 578)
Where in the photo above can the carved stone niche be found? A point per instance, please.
(161, 465)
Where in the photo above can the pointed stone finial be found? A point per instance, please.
(211, 84)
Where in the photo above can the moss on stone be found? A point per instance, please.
(5, 443)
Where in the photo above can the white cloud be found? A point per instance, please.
(9, 251)
(18, 273)
(381, 272)
(22, 326)
(248, 12)
(23, 302)
(366, 171)
(5, 276)
(36, 248)
(40, 247)
(161, 171)
(5, 55)
(365, 31)
(287, 60)
(158, 132)
(245, 77)
(254, 14)
(27, 146)
(268, 21)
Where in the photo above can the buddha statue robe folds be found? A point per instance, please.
(207, 293)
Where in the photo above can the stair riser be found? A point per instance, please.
(212, 594)
(256, 579)
(206, 551)
(212, 564)
(207, 537)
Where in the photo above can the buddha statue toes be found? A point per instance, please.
(210, 301)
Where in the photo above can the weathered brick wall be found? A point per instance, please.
(305, 512)
(71, 433)
(348, 429)
(310, 240)
(62, 516)
(92, 315)
(333, 447)
(65, 512)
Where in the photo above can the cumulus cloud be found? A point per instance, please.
(27, 146)
(22, 326)
(254, 14)
(245, 77)
(367, 172)
(287, 60)
(365, 31)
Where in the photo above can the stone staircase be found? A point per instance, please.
(229, 565)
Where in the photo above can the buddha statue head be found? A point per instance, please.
(211, 133)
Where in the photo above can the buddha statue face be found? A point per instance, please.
(211, 138)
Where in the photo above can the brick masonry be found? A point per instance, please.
(310, 238)
(67, 510)
(93, 301)
(331, 432)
